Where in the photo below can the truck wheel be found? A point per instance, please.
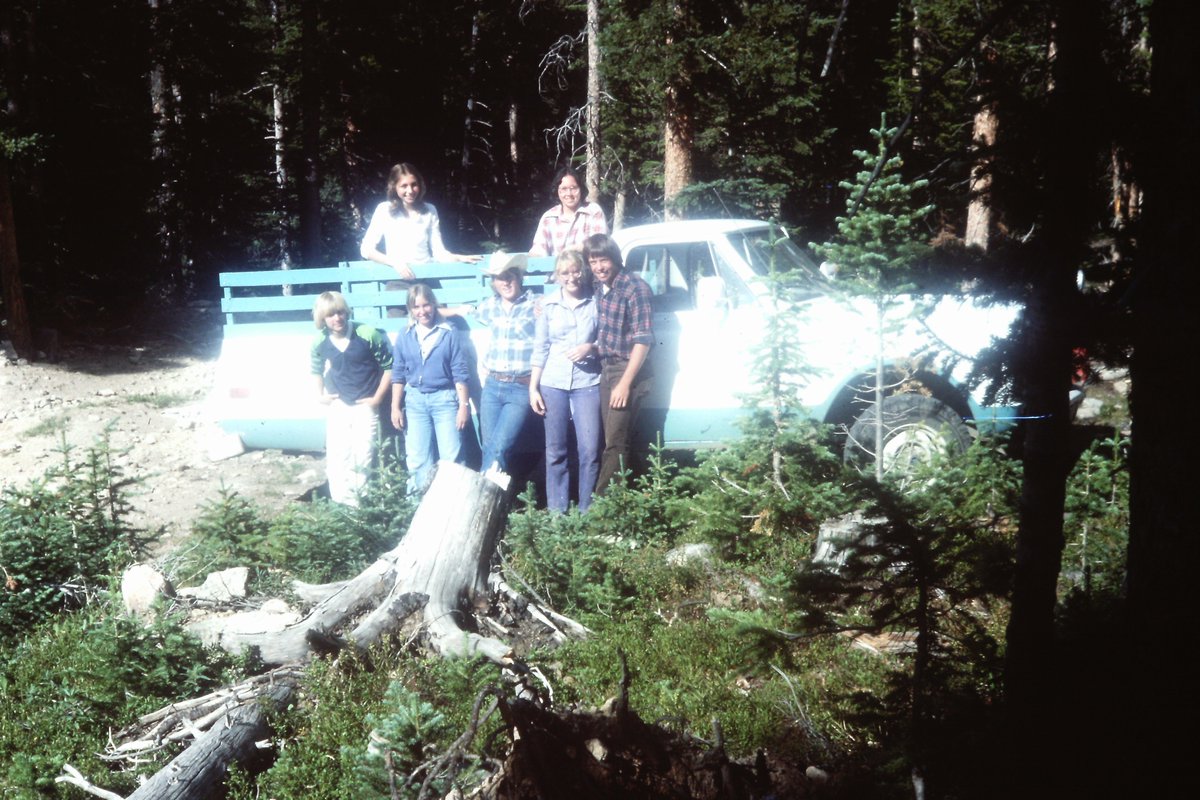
(915, 429)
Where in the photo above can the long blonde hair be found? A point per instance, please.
(421, 291)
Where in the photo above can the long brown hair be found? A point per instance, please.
(396, 205)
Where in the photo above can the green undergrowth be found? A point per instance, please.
(697, 579)
(72, 679)
(314, 542)
(335, 736)
(62, 536)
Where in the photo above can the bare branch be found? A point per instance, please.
(837, 28)
(75, 778)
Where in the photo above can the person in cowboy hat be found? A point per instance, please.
(510, 315)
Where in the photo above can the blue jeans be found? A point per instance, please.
(428, 417)
(580, 407)
(503, 413)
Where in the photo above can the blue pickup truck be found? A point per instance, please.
(710, 308)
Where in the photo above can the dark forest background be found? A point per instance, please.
(154, 143)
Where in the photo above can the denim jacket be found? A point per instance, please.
(445, 365)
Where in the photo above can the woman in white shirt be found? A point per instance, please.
(407, 226)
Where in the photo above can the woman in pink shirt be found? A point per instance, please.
(567, 224)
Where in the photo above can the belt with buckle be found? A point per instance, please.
(510, 377)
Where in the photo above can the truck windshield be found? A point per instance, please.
(758, 247)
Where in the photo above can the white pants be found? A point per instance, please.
(350, 436)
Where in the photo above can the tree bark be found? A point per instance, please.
(1054, 257)
(1163, 546)
(443, 560)
(12, 288)
(468, 140)
(198, 772)
(678, 130)
(282, 252)
(593, 100)
(979, 208)
(310, 139)
(18, 329)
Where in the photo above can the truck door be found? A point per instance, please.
(700, 359)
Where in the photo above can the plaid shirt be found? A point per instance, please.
(511, 348)
(624, 317)
(555, 232)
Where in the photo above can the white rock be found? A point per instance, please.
(141, 585)
(690, 554)
(1089, 408)
(221, 445)
(220, 586)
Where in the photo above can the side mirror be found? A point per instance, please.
(829, 269)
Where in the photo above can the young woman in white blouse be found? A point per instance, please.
(407, 226)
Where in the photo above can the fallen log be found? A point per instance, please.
(198, 770)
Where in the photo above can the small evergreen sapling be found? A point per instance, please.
(877, 247)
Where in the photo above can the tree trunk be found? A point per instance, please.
(443, 560)
(979, 208)
(1163, 546)
(593, 100)
(1056, 254)
(678, 124)
(983, 143)
(171, 230)
(12, 289)
(282, 253)
(18, 329)
(310, 139)
(441, 564)
(199, 771)
(468, 140)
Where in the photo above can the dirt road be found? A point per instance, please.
(147, 391)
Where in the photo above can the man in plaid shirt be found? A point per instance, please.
(623, 340)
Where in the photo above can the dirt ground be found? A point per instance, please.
(147, 389)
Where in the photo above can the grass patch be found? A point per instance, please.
(54, 425)
(160, 399)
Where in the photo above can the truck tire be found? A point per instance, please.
(915, 429)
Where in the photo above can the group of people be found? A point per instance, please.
(575, 356)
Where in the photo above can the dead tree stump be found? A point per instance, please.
(441, 564)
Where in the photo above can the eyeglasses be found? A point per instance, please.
(506, 277)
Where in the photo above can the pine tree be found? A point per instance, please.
(877, 248)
